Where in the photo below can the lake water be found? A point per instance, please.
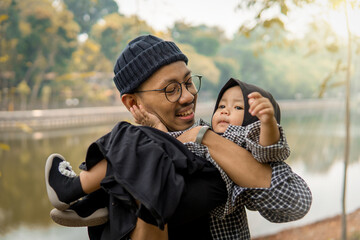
(316, 139)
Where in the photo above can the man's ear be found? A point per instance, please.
(129, 100)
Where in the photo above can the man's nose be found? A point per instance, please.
(186, 96)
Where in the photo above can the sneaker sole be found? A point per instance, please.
(50, 191)
(70, 218)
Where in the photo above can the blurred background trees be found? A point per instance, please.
(60, 53)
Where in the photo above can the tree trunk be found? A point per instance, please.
(347, 128)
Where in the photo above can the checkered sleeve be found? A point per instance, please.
(279, 151)
(248, 138)
(288, 198)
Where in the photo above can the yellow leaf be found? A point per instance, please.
(4, 58)
(24, 127)
(3, 17)
(4, 146)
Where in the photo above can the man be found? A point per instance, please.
(153, 73)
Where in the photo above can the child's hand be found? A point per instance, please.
(145, 118)
(261, 107)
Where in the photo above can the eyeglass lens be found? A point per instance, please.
(173, 91)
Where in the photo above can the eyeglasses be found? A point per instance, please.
(173, 90)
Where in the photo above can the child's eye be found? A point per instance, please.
(221, 106)
(238, 108)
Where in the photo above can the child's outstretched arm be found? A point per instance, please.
(145, 118)
(262, 108)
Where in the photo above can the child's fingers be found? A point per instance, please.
(145, 114)
(257, 108)
(253, 99)
(143, 111)
(254, 95)
(137, 114)
(266, 111)
(134, 114)
(132, 110)
(254, 102)
(259, 105)
(135, 110)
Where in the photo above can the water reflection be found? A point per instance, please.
(316, 140)
(23, 198)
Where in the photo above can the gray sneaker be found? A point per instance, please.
(88, 211)
(62, 184)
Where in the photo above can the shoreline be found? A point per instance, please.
(34, 120)
(326, 229)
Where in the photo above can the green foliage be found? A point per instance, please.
(277, 8)
(228, 68)
(206, 40)
(115, 31)
(206, 45)
(319, 38)
(203, 65)
(88, 12)
(87, 58)
(40, 48)
(39, 39)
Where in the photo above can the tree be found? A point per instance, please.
(251, 66)
(87, 57)
(277, 10)
(115, 31)
(89, 12)
(206, 40)
(90, 75)
(205, 66)
(46, 52)
(39, 39)
(332, 47)
(228, 68)
(9, 32)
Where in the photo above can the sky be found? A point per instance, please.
(161, 14)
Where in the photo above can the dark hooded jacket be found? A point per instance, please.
(156, 169)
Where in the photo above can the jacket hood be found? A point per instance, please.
(246, 90)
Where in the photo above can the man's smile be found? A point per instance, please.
(186, 113)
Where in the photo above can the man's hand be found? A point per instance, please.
(190, 135)
(143, 117)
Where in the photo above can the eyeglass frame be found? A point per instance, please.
(163, 89)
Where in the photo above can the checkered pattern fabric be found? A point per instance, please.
(287, 199)
(248, 138)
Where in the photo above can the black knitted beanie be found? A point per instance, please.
(141, 58)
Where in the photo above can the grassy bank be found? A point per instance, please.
(327, 229)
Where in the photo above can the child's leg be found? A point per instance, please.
(64, 186)
(90, 180)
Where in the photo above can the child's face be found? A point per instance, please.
(230, 110)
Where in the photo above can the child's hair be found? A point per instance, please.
(246, 89)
